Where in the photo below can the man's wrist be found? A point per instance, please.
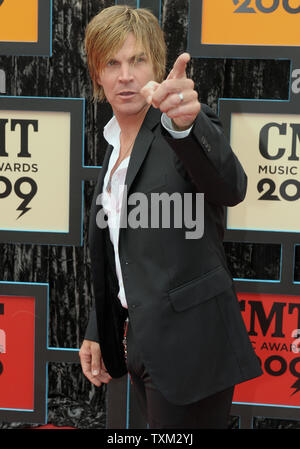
(169, 126)
(180, 128)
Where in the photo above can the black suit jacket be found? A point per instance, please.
(181, 302)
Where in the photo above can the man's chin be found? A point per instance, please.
(133, 109)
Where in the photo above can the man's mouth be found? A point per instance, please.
(127, 93)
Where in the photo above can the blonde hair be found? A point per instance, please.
(107, 32)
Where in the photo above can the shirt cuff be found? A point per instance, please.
(167, 124)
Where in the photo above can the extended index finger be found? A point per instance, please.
(179, 68)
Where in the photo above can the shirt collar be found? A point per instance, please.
(111, 132)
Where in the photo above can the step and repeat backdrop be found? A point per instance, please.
(44, 172)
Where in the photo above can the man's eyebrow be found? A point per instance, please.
(138, 55)
(142, 53)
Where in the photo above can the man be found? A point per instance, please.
(186, 345)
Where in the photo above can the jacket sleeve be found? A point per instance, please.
(91, 332)
(210, 162)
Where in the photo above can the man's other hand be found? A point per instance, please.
(92, 363)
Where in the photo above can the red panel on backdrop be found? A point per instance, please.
(17, 319)
(273, 323)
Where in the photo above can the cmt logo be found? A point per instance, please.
(289, 189)
(254, 6)
(281, 129)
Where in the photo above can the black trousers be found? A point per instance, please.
(209, 413)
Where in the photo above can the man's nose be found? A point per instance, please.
(126, 73)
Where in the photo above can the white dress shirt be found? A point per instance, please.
(112, 200)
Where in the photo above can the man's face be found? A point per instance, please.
(123, 77)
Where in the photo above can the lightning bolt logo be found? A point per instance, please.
(25, 196)
(23, 209)
(296, 385)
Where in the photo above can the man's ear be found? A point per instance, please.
(98, 77)
(98, 80)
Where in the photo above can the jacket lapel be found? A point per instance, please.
(139, 152)
(142, 145)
